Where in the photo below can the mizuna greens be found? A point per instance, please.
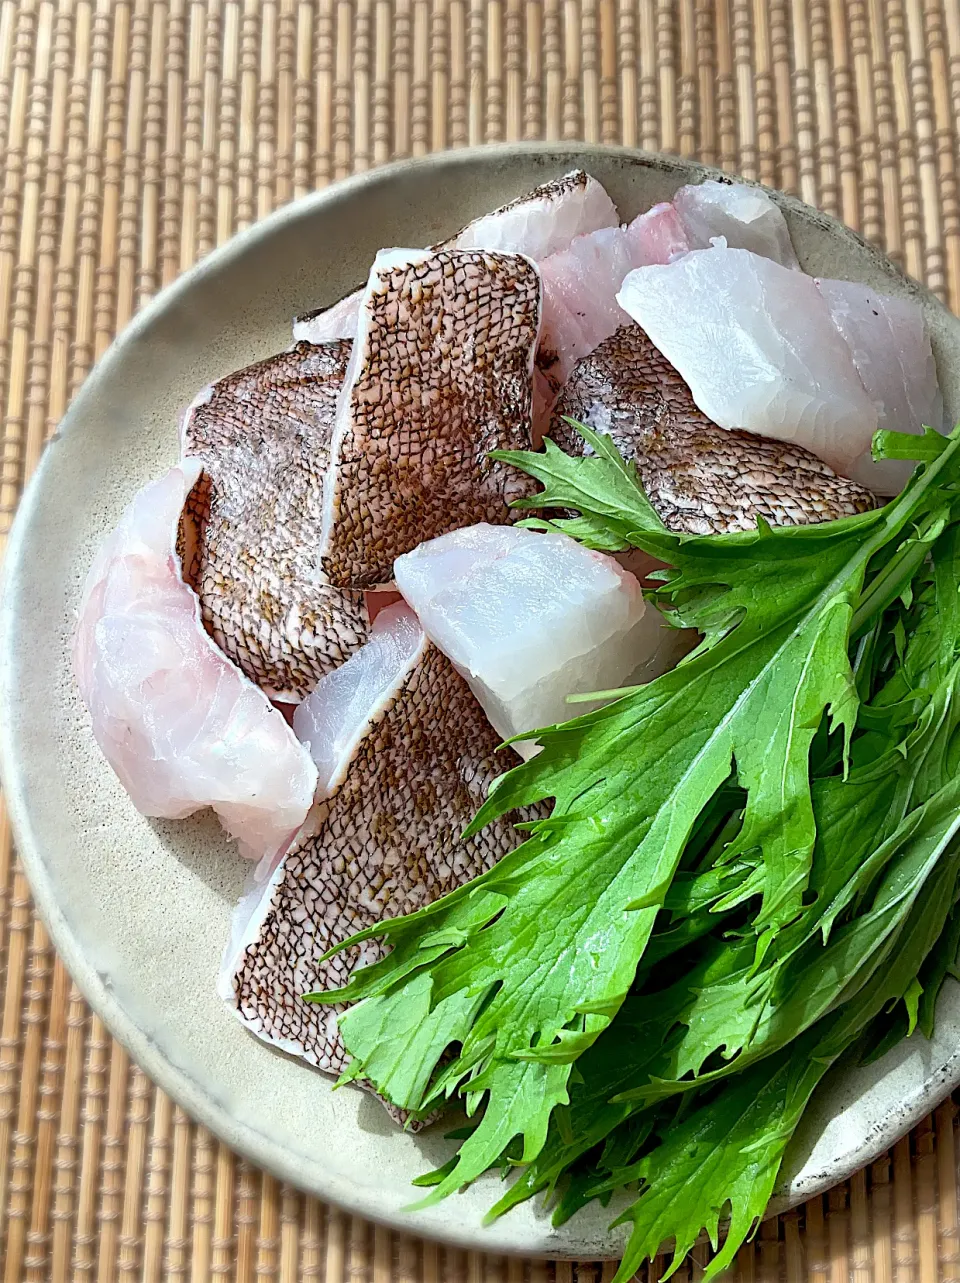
(748, 873)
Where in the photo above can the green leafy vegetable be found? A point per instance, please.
(775, 823)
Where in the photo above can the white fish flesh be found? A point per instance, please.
(440, 375)
(529, 619)
(414, 764)
(538, 224)
(756, 344)
(888, 340)
(543, 221)
(180, 724)
(745, 217)
(337, 714)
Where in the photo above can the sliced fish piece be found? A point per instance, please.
(180, 724)
(263, 435)
(327, 324)
(580, 308)
(700, 478)
(421, 760)
(540, 223)
(440, 375)
(333, 720)
(580, 284)
(888, 340)
(756, 345)
(529, 619)
(658, 236)
(746, 218)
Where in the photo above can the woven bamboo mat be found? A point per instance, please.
(138, 135)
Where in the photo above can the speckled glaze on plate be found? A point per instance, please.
(139, 908)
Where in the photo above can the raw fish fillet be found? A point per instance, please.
(891, 349)
(701, 479)
(416, 756)
(440, 375)
(326, 325)
(528, 619)
(181, 725)
(756, 345)
(658, 236)
(744, 216)
(540, 223)
(543, 221)
(580, 285)
(263, 435)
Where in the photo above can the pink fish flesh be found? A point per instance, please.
(888, 340)
(580, 284)
(178, 722)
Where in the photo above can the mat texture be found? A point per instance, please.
(135, 137)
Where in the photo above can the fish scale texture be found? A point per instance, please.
(700, 478)
(256, 511)
(389, 844)
(442, 377)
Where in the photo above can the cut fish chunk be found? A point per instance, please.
(333, 720)
(658, 236)
(540, 223)
(326, 325)
(746, 218)
(263, 435)
(580, 306)
(528, 619)
(440, 375)
(388, 841)
(701, 479)
(580, 285)
(181, 726)
(888, 340)
(757, 347)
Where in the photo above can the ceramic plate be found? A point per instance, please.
(139, 908)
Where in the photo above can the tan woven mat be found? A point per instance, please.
(138, 135)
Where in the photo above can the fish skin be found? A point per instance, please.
(263, 434)
(181, 725)
(537, 224)
(700, 478)
(388, 843)
(440, 375)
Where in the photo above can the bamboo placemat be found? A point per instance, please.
(136, 136)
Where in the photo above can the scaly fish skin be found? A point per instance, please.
(700, 478)
(388, 843)
(263, 434)
(440, 375)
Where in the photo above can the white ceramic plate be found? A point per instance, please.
(138, 908)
